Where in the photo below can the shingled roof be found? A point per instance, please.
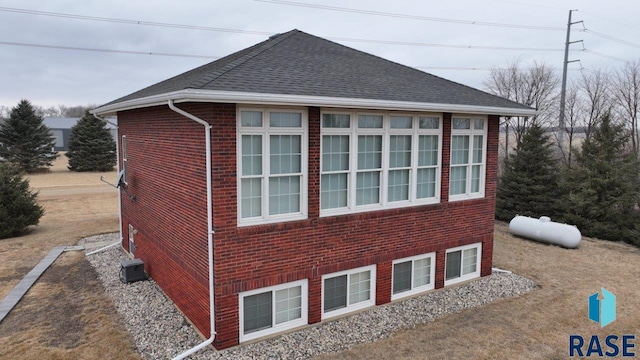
(305, 66)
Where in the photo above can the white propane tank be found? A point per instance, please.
(545, 230)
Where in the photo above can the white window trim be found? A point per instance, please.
(471, 132)
(468, 276)
(418, 289)
(354, 307)
(276, 328)
(386, 132)
(264, 131)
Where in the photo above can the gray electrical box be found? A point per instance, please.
(132, 270)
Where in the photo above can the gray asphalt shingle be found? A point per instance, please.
(297, 63)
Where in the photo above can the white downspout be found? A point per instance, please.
(117, 165)
(210, 231)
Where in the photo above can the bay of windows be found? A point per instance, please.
(374, 161)
(272, 165)
(468, 144)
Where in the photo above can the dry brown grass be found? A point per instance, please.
(66, 315)
(536, 325)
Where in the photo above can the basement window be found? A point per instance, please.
(413, 275)
(348, 291)
(272, 310)
(462, 263)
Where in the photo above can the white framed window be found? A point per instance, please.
(347, 291)
(413, 275)
(462, 263)
(468, 157)
(272, 165)
(374, 161)
(124, 159)
(273, 309)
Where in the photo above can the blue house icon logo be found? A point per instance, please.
(602, 311)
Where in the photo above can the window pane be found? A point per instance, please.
(282, 119)
(251, 119)
(333, 191)
(335, 152)
(369, 152)
(368, 188)
(477, 148)
(399, 151)
(453, 265)
(257, 312)
(288, 304)
(359, 287)
(478, 124)
(370, 121)
(251, 154)
(401, 122)
(335, 293)
(459, 149)
(426, 186)
(458, 183)
(429, 123)
(284, 195)
(458, 123)
(475, 178)
(421, 272)
(469, 261)
(428, 150)
(251, 197)
(398, 185)
(401, 277)
(336, 121)
(286, 154)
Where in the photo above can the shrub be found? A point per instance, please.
(18, 206)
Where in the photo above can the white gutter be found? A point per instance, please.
(195, 95)
(117, 165)
(210, 232)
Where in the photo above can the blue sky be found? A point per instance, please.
(50, 77)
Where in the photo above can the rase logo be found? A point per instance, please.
(602, 311)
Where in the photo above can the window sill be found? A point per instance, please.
(463, 197)
(372, 208)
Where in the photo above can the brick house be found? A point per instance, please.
(324, 181)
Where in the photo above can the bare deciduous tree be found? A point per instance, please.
(535, 86)
(626, 92)
(595, 88)
(573, 115)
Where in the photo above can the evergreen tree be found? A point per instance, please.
(91, 147)
(529, 184)
(603, 188)
(26, 141)
(18, 206)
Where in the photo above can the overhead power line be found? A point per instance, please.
(266, 33)
(76, 48)
(612, 38)
(414, 17)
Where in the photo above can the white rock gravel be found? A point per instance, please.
(160, 331)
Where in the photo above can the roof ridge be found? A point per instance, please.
(268, 44)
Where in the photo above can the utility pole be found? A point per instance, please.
(563, 91)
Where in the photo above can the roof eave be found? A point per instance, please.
(193, 95)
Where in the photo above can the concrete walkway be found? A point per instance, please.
(16, 294)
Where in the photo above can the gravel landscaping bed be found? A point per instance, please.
(160, 331)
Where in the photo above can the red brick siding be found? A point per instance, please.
(166, 158)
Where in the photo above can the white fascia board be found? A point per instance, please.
(191, 95)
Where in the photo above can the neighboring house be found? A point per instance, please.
(61, 129)
(338, 181)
